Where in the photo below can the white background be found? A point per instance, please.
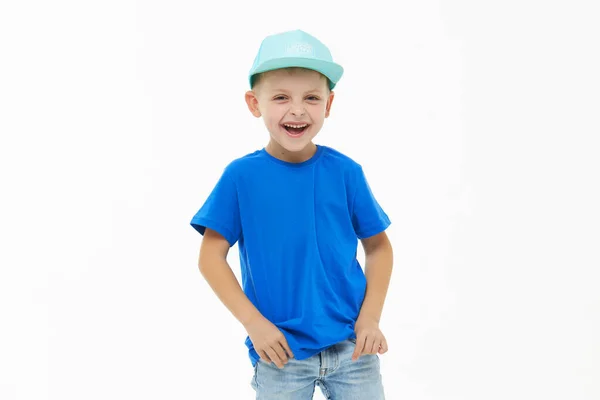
(477, 124)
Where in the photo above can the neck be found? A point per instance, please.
(281, 153)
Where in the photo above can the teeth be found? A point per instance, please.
(295, 126)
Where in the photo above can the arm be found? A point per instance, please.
(217, 272)
(268, 341)
(378, 270)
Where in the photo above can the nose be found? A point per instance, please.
(298, 110)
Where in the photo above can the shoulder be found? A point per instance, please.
(242, 163)
(342, 161)
(338, 156)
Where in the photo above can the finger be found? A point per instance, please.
(287, 348)
(358, 348)
(375, 347)
(274, 357)
(369, 343)
(264, 356)
(384, 346)
(280, 352)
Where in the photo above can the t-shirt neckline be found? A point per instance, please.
(310, 161)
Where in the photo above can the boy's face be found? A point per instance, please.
(300, 97)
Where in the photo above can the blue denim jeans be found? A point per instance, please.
(333, 370)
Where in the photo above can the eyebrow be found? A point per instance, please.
(310, 91)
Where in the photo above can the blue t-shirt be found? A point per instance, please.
(297, 227)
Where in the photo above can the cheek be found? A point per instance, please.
(273, 113)
(318, 110)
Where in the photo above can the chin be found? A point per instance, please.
(295, 147)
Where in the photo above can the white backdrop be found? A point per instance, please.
(476, 123)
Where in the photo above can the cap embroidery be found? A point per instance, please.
(299, 49)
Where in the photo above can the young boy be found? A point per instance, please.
(297, 210)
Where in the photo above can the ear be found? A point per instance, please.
(252, 103)
(329, 101)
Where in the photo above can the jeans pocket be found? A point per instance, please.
(352, 340)
(253, 381)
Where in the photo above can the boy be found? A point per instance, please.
(297, 210)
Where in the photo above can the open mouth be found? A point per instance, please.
(295, 130)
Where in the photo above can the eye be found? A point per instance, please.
(281, 97)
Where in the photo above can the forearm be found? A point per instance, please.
(378, 271)
(223, 282)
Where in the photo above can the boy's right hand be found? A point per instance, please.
(269, 342)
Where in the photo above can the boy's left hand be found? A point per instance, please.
(369, 339)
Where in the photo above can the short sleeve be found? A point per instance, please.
(368, 218)
(220, 212)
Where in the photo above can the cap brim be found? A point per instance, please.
(330, 69)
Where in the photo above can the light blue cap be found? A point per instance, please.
(295, 49)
